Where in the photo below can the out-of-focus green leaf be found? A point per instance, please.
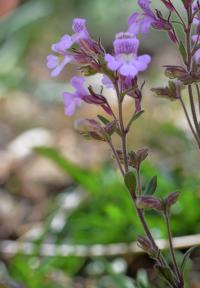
(185, 258)
(130, 181)
(87, 179)
(151, 186)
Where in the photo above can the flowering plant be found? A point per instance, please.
(120, 71)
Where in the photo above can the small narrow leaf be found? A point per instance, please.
(165, 273)
(183, 51)
(103, 119)
(151, 187)
(130, 181)
(133, 118)
(186, 256)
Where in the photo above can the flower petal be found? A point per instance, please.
(67, 59)
(112, 63)
(141, 63)
(77, 83)
(128, 70)
(52, 61)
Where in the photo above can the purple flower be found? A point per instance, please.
(56, 64)
(65, 56)
(63, 44)
(74, 100)
(80, 29)
(141, 23)
(125, 59)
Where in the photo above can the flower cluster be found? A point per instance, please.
(121, 68)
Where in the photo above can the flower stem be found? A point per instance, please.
(160, 259)
(176, 269)
(189, 121)
(198, 95)
(116, 156)
(121, 123)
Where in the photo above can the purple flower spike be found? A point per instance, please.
(125, 60)
(74, 100)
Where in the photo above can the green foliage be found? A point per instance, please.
(36, 272)
(107, 214)
(87, 179)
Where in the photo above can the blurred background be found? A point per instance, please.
(65, 217)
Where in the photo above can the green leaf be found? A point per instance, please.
(142, 279)
(151, 187)
(103, 119)
(133, 118)
(186, 256)
(165, 273)
(183, 51)
(87, 179)
(130, 181)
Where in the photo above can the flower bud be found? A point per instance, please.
(90, 128)
(144, 243)
(149, 202)
(172, 36)
(97, 99)
(171, 199)
(168, 4)
(174, 71)
(187, 3)
(111, 127)
(137, 157)
(172, 91)
(161, 23)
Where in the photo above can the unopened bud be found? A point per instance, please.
(111, 127)
(168, 4)
(171, 199)
(137, 157)
(173, 71)
(90, 128)
(172, 36)
(149, 202)
(145, 244)
(172, 91)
